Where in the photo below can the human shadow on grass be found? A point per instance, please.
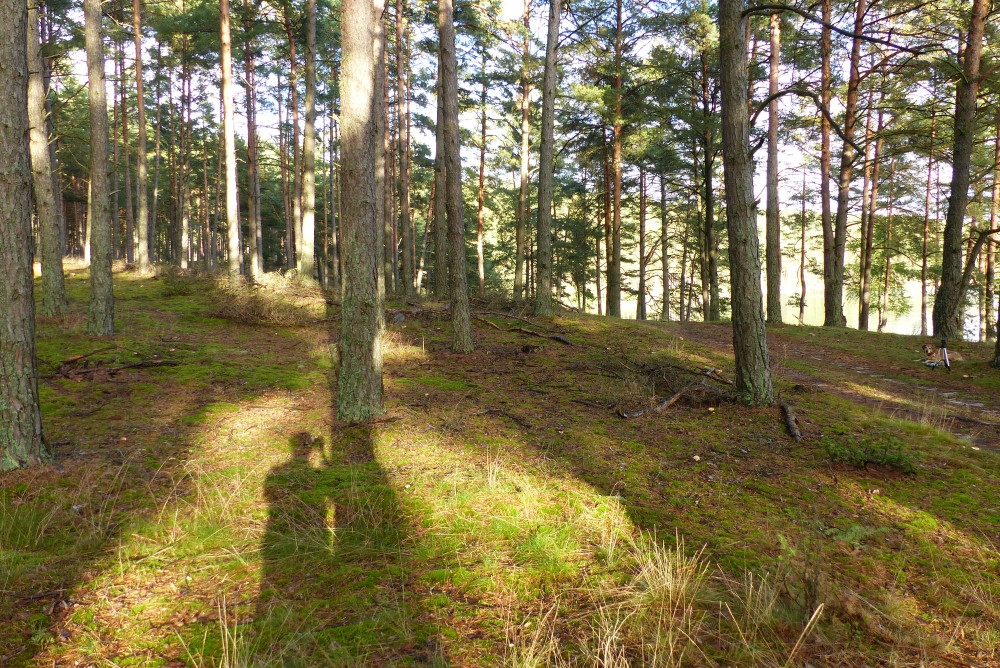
(335, 562)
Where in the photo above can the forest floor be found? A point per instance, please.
(205, 507)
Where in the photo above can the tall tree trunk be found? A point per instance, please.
(116, 83)
(640, 301)
(381, 155)
(948, 302)
(597, 268)
(664, 250)
(925, 254)
(307, 246)
(826, 214)
(883, 315)
(710, 253)
(481, 193)
(543, 296)
(440, 195)
(991, 250)
(143, 253)
(460, 319)
(228, 120)
(254, 218)
(154, 210)
(615, 250)
(286, 195)
(773, 213)
(53, 286)
(359, 382)
(127, 170)
(402, 124)
(868, 236)
(802, 251)
(101, 316)
(865, 212)
(296, 194)
(753, 374)
(834, 305)
(520, 234)
(20, 418)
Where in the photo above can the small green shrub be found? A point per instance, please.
(883, 451)
(175, 283)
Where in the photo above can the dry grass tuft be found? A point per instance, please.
(257, 306)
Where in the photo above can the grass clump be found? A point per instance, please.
(175, 283)
(884, 451)
(256, 306)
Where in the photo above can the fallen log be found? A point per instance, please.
(667, 403)
(790, 421)
(554, 337)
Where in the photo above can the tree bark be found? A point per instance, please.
(232, 201)
(753, 374)
(640, 300)
(947, 315)
(924, 254)
(826, 216)
(460, 318)
(359, 382)
(991, 249)
(481, 190)
(254, 217)
(53, 286)
(143, 253)
(883, 315)
(543, 295)
(127, 170)
(520, 234)
(773, 213)
(101, 316)
(868, 233)
(664, 250)
(615, 249)
(293, 107)
(20, 418)
(307, 245)
(402, 125)
(440, 195)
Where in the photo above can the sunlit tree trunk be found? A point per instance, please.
(520, 234)
(293, 108)
(143, 254)
(640, 301)
(826, 215)
(402, 124)
(254, 219)
(802, 251)
(991, 250)
(753, 374)
(481, 191)
(664, 250)
(883, 317)
(53, 286)
(101, 316)
(460, 318)
(543, 296)
(232, 201)
(359, 382)
(615, 250)
(925, 253)
(868, 234)
(440, 193)
(20, 419)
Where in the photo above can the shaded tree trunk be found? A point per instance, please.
(359, 381)
(307, 244)
(640, 301)
(868, 233)
(991, 250)
(460, 318)
(101, 315)
(773, 214)
(402, 125)
(21, 442)
(440, 195)
(53, 286)
(256, 242)
(520, 234)
(143, 252)
(664, 250)
(947, 315)
(481, 191)
(228, 120)
(753, 374)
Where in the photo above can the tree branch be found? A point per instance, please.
(802, 92)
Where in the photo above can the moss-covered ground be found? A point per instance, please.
(215, 513)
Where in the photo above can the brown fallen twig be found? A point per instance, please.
(790, 421)
(667, 403)
(77, 358)
(144, 364)
(488, 322)
(555, 337)
(512, 317)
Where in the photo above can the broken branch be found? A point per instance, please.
(667, 403)
(791, 421)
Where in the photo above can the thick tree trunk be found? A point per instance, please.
(20, 419)
(101, 316)
(543, 296)
(402, 125)
(232, 201)
(440, 195)
(53, 286)
(307, 245)
(773, 212)
(753, 374)
(948, 302)
(359, 383)
(460, 318)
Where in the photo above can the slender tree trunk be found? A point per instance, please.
(640, 302)
(991, 250)
(802, 251)
(254, 218)
(710, 257)
(21, 442)
(481, 194)
(835, 290)
(359, 395)
(115, 195)
(925, 254)
(101, 316)
(753, 374)
(232, 201)
(948, 302)
(773, 212)
(127, 170)
(543, 298)
(664, 250)
(606, 167)
(286, 195)
(296, 193)
(53, 286)
(520, 234)
(440, 195)
(868, 236)
(883, 317)
(865, 213)
(154, 210)
(829, 303)
(615, 250)
(460, 319)
(597, 267)
(307, 246)
(141, 170)
(402, 124)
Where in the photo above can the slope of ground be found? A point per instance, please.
(212, 511)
